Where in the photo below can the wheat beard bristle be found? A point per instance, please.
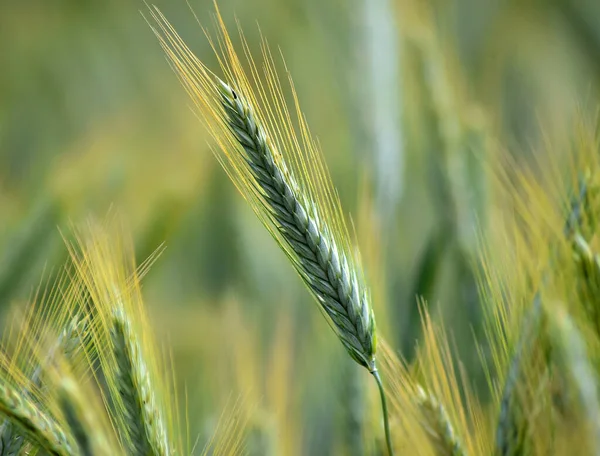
(323, 266)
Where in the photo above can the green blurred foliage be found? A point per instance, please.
(92, 120)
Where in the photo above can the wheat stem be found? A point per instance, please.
(386, 423)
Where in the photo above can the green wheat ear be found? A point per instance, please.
(326, 268)
(279, 170)
(281, 174)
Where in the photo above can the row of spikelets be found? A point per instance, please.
(83, 375)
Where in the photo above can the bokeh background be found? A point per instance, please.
(408, 100)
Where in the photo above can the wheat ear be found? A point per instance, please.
(33, 423)
(506, 428)
(572, 346)
(294, 198)
(321, 263)
(437, 424)
(146, 431)
(11, 441)
(69, 342)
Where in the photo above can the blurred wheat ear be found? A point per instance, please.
(437, 424)
(12, 440)
(33, 422)
(83, 377)
(280, 171)
(145, 424)
(509, 432)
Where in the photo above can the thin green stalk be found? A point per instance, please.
(386, 423)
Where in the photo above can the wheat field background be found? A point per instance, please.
(410, 100)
